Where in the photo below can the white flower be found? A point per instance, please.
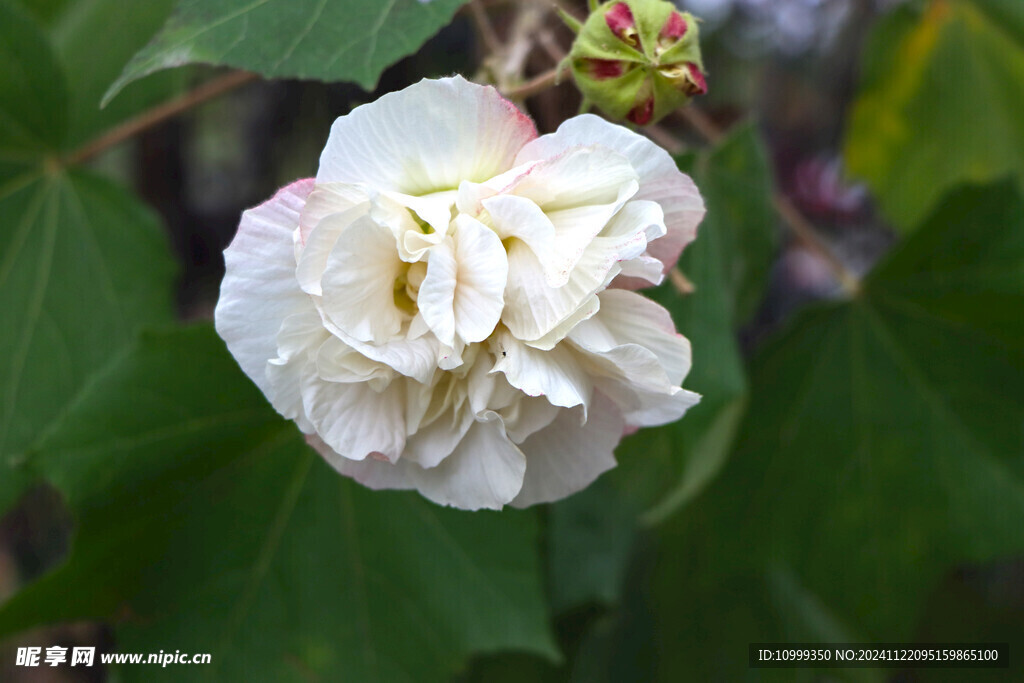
(447, 306)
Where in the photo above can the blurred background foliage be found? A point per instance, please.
(855, 471)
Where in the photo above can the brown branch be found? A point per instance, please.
(484, 28)
(158, 114)
(537, 84)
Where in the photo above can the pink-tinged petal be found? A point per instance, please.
(603, 69)
(660, 179)
(372, 472)
(426, 138)
(675, 26)
(620, 20)
(563, 458)
(259, 289)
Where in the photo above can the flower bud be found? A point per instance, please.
(638, 59)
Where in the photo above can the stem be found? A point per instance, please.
(484, 28)
(803, 230)
(158, 114)
(537, 84)
(805, 233)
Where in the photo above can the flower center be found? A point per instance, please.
(407, 286)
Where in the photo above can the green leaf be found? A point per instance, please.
(662, 469)
(82, 266)
(881, 450)
(939, 103)
(82, 263)
(76, 33)
(330, 40)
(207, 525)
(33, 101)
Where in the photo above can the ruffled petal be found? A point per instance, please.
(484, 471)
(432, 443)
(630, 318)
(426, 138)
(414, 357)
(300, 335)
(660, 179)
(554, 374)
(482, 274)
(328, 199)
(533, 310)
(359, 282)
(320, 242)
(259, 289)
(565, 458)
(353, 419)
(636, 358)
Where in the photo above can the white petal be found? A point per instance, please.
(353, 419)
(426, 138)
(533, 310)
(580, 176)
(631, 376)
(436, 297)
(660, 179)
(527, 416)
(359, 282)
(328, 199)
(320, 242)
(470, 195)
(482, 274)
(554, 374)
(463, 293)
(636, 358)
(409, 356)
(520, 218)
(418, 223)
(642, 271)
(336, 361)
(485, 471)
(564, 457)
(431, 444)
(259, 289)
(297, 341)
(370, 472)
(631, 318)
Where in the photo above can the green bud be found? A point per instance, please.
(638, 59)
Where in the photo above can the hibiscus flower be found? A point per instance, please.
(449, 307)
